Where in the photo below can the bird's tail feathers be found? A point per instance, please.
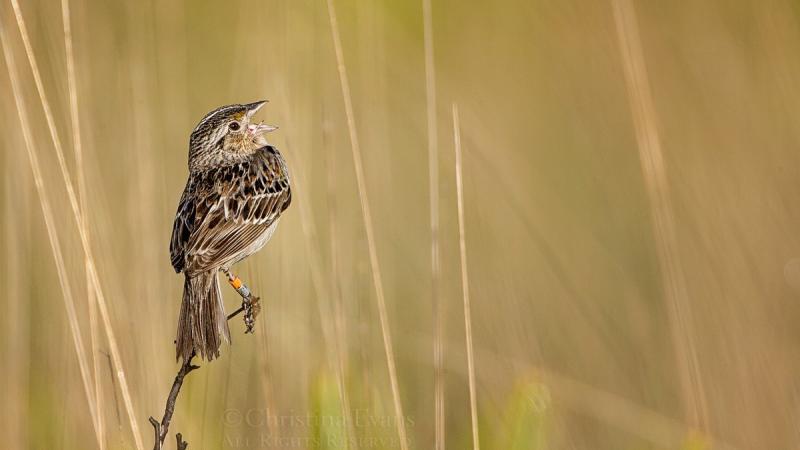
(202, 324)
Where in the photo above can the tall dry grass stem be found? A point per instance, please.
(373, 254)
(327, 318)
(334, 295)
(52, 233)
(462, 246)
(95, 279)
(334, 342)
(651, 157)
(77, 145)
(611, 409)
(433, 189)
(16, 320)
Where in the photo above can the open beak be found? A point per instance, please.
(253, 108)
(259, 128)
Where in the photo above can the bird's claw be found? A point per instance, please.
(250, 303)
(251, 309)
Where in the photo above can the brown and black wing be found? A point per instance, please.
(182, 228)
(233, 207)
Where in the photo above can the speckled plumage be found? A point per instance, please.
(238, 187)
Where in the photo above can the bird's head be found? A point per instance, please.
(227, 134)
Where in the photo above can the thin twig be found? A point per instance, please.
(181, 444)
(236, 313)
(161, 429)
(365, 211)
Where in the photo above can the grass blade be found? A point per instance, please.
(462, 245)
(653, 171)
(77, 146)
(52, 233)
(365, 211)
(433, 186)
(95, 279)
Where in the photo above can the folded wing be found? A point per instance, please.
(233, 206)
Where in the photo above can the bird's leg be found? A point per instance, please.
(250, 303)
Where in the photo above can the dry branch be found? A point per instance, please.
(160, 430)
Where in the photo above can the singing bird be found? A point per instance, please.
(238, 187)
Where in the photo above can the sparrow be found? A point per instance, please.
(238, 187)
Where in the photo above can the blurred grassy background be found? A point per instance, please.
(571, 331)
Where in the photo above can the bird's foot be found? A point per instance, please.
(251, 305)
(251, 308)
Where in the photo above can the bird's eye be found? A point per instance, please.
(234, 126)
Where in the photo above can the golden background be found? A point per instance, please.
(630, 176)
